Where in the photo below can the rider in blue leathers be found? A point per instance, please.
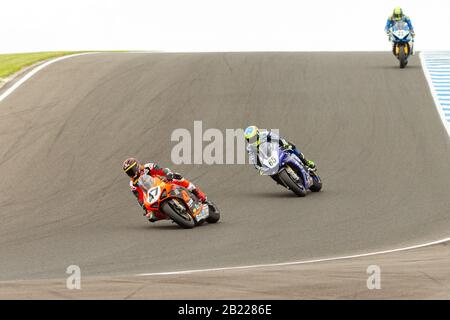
(397, 15)
(255, 136)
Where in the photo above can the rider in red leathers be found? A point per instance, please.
(134, 170)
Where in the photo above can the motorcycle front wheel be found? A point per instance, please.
(402, 57)
(180, 217)
(291, 184)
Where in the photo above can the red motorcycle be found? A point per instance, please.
(177, 203)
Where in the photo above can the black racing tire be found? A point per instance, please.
(214, 213)
(183, 219)
(317, 183)
(291, 184)
(402, 57)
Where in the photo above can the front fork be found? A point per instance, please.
(306, 176)
(396, 49)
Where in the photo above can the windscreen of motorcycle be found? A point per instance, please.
(268, 154)
(400, 29)
(146, 182)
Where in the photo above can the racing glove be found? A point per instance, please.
(173, 175)
(169, 176)
(389, 34)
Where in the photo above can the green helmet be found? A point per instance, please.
(397, 14)
(252, 135)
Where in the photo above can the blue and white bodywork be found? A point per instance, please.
(287, 169)
(402, 41)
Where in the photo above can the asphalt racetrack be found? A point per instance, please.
(371, 128)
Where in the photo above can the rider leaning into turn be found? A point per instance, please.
(134, 170)
(255, 136)
(397, 15)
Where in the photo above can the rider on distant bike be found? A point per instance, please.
(134, 170)
(255, 137)
(397, 15)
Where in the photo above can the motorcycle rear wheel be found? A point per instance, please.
(317, 183)
(214, 214)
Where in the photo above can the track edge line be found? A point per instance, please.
(292, 263)
(35, 70)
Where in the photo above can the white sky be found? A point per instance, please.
(212, 25)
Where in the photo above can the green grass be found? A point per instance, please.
(11, 63)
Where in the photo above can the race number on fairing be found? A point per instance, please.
(153, 194)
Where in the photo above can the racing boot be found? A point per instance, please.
(311, 165)
(199, 194)
(308, 163)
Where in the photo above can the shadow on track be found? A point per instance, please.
(286, 194)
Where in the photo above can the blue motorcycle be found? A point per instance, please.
(287, 169)
(401, 38)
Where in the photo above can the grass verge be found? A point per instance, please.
(12, 63)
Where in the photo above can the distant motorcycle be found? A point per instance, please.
(287, 169)
(400, 36)
(176, 203)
